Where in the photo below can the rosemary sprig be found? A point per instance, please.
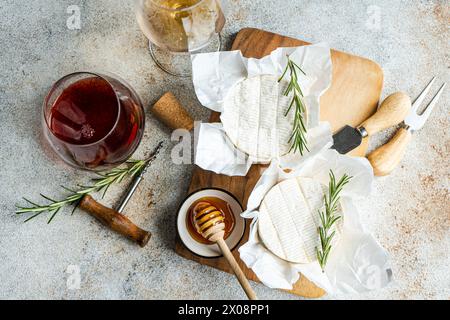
(99, 184)
(328, 217)
(298, 137)
(102, 183)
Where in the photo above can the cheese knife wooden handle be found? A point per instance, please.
(387, 157)
(115, 220)
(391, 112)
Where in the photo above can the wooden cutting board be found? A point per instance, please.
(351, 99)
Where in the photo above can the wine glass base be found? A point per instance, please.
(178, 64)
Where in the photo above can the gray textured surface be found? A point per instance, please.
(408, 211)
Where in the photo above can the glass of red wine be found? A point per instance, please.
(93, 121)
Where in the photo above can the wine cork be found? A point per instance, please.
(170, 112)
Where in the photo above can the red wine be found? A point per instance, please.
(85, 112)
(97, 121)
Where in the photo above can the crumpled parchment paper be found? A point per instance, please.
(357, 263)
(215, 74)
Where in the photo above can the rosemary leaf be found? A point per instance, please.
(102, 183)
(328, 217)
(297, 139)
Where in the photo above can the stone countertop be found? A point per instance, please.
(408, 212)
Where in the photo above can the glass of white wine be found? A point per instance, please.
(178, 28)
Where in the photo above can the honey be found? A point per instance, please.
(220, 205)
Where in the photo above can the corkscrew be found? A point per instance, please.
(114, 219)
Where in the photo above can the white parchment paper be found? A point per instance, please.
(357, 263)
(215, 74)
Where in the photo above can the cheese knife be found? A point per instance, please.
(391, 112)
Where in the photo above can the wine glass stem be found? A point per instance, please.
(153, 48)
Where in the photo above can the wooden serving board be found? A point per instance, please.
(351, 99)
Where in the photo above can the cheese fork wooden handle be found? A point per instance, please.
(391, 112)
(115, 220)
(387, 157)
(236, 269)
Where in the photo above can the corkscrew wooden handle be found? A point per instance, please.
(115, 220)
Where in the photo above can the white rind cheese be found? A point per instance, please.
(254, 117)
(289, 219)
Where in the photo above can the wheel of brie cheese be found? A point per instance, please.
(254, 117)
(289, 219)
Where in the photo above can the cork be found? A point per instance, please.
(170, 112)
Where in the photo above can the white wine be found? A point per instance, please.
(180, 25)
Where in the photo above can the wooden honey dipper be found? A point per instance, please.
(210, 223)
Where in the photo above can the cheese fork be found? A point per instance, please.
(387, 157)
